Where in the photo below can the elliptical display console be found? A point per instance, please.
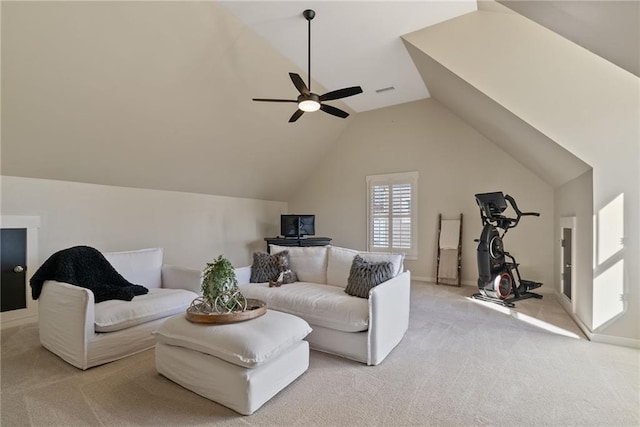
(496, 281)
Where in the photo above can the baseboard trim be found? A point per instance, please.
(433, 280)
(619, 341)
(592, 336)
(4, 324)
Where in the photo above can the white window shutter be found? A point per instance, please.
(392, 213)
(379, 213)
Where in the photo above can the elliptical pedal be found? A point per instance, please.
(529, 285)
(503, 302)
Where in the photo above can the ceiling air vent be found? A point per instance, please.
(385, 89)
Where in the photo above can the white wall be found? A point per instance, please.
(454, 162)
(575, 199)
(192, 228)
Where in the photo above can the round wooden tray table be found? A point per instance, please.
(255, 308)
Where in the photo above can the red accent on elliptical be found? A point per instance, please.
(508, 277)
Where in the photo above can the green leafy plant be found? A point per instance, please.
(220, 287)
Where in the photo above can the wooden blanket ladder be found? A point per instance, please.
(449, 264)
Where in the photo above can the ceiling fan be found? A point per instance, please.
(308, 101)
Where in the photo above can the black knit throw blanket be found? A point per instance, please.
(86, 267)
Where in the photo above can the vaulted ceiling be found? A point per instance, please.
(151, 95)
(158, 94)
(352, 43)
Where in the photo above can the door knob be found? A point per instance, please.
(18, 269)
(568, 266)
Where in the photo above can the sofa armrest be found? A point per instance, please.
(243, 274)
(66, 321)
(174, 277)
(389, 304)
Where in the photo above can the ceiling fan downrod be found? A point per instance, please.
(309, 14)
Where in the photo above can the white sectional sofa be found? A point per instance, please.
(361, 329)
(87, 334)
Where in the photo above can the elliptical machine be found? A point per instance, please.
(496, 281)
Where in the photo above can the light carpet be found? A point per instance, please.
(461, 363)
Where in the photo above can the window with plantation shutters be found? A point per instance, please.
(392, 213)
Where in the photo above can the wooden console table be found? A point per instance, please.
(305, 241)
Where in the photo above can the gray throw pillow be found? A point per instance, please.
(266, 268)
(365, 275)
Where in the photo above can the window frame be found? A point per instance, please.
(389, 180)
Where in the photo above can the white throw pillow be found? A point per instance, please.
(339, 262)
(309, 263)
(397, 259)
(246, 344)
(141, 267)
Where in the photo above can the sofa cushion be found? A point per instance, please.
(366, 275)
(339, 261)
(309, 263)
(142, 267)
(396, 259)
(318, 304)
(246, 344)
(115, 315)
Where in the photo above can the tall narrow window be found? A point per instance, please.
(392, 213)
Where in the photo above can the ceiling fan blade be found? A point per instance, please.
(296, 116)
(341, 93)
(274, 100)
(334, 111)
(299, 83)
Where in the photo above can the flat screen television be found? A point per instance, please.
(297, 226)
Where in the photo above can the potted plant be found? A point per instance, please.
(220, 287)
(221, 301)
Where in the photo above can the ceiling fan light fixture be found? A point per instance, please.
(309, 105)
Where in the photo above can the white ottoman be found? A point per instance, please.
(239, 365)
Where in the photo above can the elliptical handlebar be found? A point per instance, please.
(512, 222)
(492, 205)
